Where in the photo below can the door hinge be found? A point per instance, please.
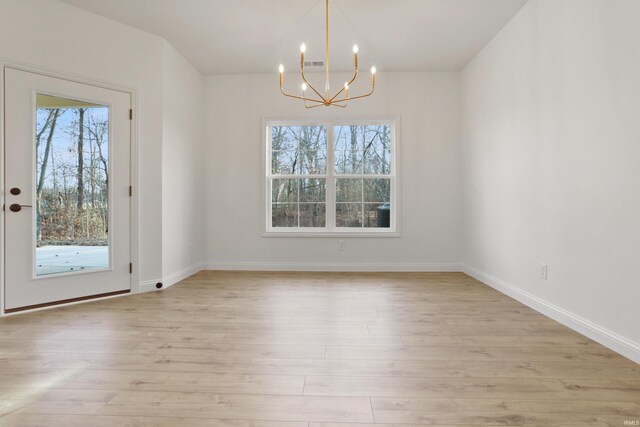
(130, 191)
(130, 268)
(130, 113)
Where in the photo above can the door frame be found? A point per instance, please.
(133, 169)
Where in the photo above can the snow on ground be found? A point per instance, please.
(64, 259)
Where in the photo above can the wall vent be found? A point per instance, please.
(314, 63)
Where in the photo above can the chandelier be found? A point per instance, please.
(340, 98)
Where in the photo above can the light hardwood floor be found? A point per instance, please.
(309, 350)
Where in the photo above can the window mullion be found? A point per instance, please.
(330, 185)
(362, 198)
(299, 187)
(268, 167)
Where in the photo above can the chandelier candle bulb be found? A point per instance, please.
(355, 61)
(318, 99)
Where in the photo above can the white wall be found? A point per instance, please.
(53, 35)
(428, 105)
(182, 161)
(551, 164)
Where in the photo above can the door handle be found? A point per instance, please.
(17, 208)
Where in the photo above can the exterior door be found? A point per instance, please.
(67, 191)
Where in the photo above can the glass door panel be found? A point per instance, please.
(71, 186)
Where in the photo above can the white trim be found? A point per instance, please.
(172, 279)
(341, 234)
(604, 336)
(148, 286)
(110, 192)
(49, 307)
(176, 277)
(330, 230)
(335, 266)
(2, 184)
(64, 75)
(134, 230)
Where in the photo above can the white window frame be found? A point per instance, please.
(330, 229)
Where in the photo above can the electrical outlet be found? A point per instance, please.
(341, 245)
(543, 271)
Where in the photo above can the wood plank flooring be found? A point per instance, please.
(247, 349)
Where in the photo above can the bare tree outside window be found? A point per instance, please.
(72, 185)
(360, 175)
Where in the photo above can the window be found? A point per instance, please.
(331, 177)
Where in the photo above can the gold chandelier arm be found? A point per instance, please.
(353, 97)
(308, 107)
(303, 98)
(349, 98)
(355, 76)
(304, 78)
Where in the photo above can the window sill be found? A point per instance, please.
(334, 234)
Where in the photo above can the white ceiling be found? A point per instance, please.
(254, 36)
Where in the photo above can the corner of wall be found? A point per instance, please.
(182, 167)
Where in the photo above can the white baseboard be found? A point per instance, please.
(172, 279)
(334, 267)
(148, 286)
(607, 338)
